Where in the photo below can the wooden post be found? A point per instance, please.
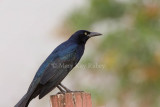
(72, 99)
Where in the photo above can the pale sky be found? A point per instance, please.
(25, 41)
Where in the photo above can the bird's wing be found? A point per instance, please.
(61, 64)
(54, 74)
(40, 71)
(58, 74)
(45, 65)
(48, 72)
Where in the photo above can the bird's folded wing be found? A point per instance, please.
(58, 66)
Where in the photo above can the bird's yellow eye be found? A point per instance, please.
(85, 33)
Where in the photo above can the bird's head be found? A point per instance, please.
(82, 36)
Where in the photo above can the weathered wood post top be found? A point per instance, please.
(71, 99)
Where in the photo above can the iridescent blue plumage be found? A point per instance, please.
(56, 67)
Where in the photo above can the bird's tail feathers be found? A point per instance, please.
(24, 101)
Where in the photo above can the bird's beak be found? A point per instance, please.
(94, 34)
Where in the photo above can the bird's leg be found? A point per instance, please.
(67, 90)
(62, 91)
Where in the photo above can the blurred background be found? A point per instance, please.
(120, 68)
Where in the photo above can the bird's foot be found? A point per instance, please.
(67, 90)
(61, 92)
(77, 91)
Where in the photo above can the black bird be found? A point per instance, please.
(56, 67)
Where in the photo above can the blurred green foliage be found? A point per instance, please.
(130, 52)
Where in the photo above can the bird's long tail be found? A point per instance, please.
(24, 101)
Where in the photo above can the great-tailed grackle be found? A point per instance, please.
(56, 67)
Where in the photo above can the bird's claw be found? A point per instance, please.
(61, 92)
